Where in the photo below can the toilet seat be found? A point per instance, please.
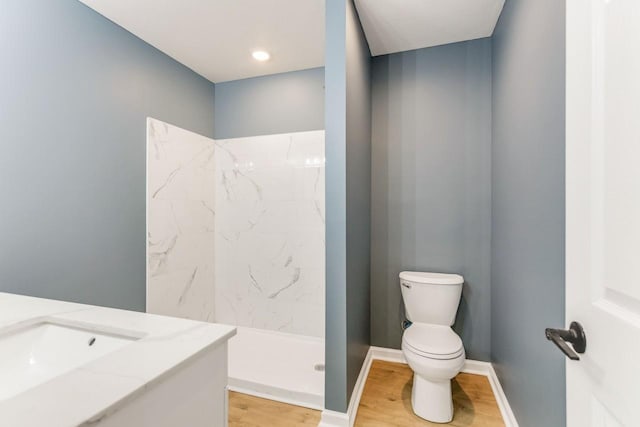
(433, 341)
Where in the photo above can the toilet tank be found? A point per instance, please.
(431, 297)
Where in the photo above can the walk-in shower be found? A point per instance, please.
(236, 235)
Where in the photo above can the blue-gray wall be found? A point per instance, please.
(528, 157)
(432, 183)
(75, 92)
(348, 205)
(278, 103)
(358, 150)
(335, 383)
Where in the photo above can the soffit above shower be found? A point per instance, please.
(215, 38)
(396, 26)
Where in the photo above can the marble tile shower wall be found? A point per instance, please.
(236, 229)
(270, 232)
(180, 222)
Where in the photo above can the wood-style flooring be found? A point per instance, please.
(249, 411)
(386, 401)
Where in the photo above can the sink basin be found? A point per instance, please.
(36, 353)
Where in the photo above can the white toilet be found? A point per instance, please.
(434, 352)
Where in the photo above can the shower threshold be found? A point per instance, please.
(278, 366)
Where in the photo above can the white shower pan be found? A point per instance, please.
(284, 367)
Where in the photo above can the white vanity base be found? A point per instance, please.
(193, 396)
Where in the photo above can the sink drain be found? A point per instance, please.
(318, 367)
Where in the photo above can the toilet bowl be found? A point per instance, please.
(432, 349)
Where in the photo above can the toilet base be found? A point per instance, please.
(432, 400)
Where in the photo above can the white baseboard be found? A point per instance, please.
(388, 354)
(501, 398)
(334, 419)
(340, 419)
(476, 367)
(356, 395)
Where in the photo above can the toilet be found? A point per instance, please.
(433, 351)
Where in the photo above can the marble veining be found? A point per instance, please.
(236, 229)
(269, 232)
(180, 222)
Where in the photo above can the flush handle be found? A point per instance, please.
(574, 335)
(406, 285)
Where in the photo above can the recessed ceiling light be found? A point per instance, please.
(261, 55)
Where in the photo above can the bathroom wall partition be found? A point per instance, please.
(180, 222)
(528, 208)
(236, 235)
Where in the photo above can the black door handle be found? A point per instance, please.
(574, 335)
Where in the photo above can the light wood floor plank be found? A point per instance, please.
(250, 411)
(386, 400)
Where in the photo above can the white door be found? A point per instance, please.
(603, 210)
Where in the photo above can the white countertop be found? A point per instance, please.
(98, 388)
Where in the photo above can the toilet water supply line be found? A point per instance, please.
(406, 322)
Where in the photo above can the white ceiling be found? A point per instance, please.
(215, 38)
(399, 25)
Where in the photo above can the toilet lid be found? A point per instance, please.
(435, 341)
